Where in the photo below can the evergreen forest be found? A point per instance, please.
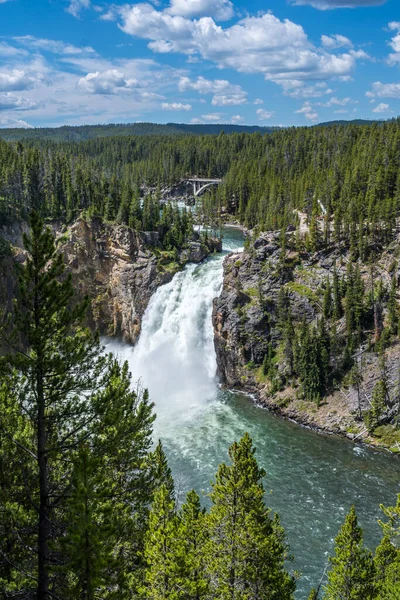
(88, 505)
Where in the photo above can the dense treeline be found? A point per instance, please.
(88, 509)
(79, 133)
(352, 170)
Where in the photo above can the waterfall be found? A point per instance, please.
(175, 357)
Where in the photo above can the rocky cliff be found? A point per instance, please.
(112, 264)
(246, 319)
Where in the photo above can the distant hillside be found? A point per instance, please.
(349, 122)
(88, 132)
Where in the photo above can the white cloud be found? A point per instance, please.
(82, 88)
(308, 111)
(394, 43)
(335, 41)
(341, 111)
(337, 102)
(108, 82)
(12, 101)
(212, 117)
(54, 46)
(384, 90)
(6, 122)
(76, 6)
(381, 108)
(264, 115)
(331, 4)
(225, 93)
(258, 101)
(7, 51)
(220, 10)
(231, 100)
(280, 50)
(298, 89)
(236, 119)
(16, 80)
(176, 106)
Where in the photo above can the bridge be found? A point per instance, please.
(200, 184)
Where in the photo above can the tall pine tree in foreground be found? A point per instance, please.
(247, 549)
(71, 404)
(352, 576)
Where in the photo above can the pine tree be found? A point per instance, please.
(387, 567)
(162, 576)
(193, 536)
(352, 574)
(247, 549)
(71, 395)
(378, 405)
(387, 556)
(161, 472)
(327, 305)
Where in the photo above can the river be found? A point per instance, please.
(312, 479)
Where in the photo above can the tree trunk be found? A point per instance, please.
(44, 523)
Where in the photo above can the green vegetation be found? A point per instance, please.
(88, 510)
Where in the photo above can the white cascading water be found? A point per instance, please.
(175, 357)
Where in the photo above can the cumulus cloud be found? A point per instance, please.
(335, 41)
(384, 90)
(220, 10)
(394, 58)
(176, 106)
(236, 119)
(298, 89)
(258, 101)
(55, 46)
(331, 4)
(16, 80)
(108, 82)
(308, 111)
(11, 101)
(264, 115)
(279, 50)
(225, 93)
(76, 6)
(381, 108)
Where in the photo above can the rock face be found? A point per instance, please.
(245, 314)
(246, 321)
(113, 265)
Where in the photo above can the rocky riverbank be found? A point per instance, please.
(246, 321)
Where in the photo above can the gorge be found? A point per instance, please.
(312, 479)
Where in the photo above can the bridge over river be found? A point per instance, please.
(201, 184)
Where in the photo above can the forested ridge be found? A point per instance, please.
(353, 170)
(79, 133)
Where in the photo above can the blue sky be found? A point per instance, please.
(269, 62)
